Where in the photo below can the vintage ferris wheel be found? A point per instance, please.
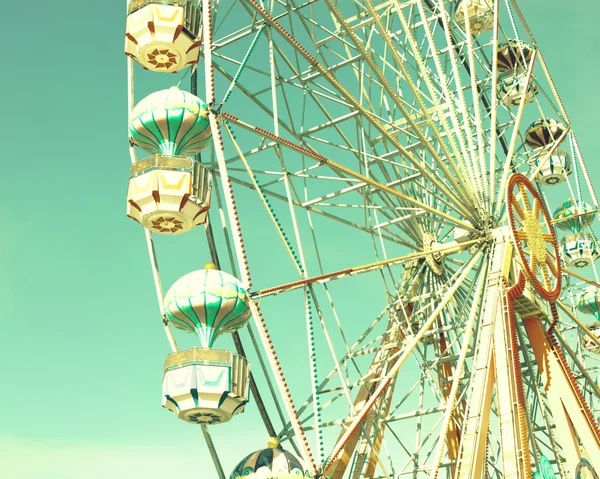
(401, 181)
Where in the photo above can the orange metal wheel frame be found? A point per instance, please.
(534, 236)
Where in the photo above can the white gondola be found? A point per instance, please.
(205, 386)
(512, 87)
(579, 250)
(163, 35)
(169, 195)
(480, 14)
(555, 169)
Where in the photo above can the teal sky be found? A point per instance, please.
(81, 343)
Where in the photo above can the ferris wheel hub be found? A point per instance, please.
(435, 260)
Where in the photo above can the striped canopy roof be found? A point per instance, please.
(172, 122)
(573, 216)
(209, 303)
(514, 55)
(544, 132)
(589, 302)
(270, 463)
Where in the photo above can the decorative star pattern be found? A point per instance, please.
(167, 224)
(164, 58)
(204, 418)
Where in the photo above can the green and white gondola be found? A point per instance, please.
(585, 470)
(555, 169)
(480, 14)
(589, 303)
(207, 303)
(204, 385)
(573, 216)
(171, 122)
(169, 192)
(579, 250)
(512, 87)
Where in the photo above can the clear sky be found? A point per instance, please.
(81, 344)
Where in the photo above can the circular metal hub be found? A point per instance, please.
(435, 261)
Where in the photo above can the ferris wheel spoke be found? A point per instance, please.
(550, 264)
(359, 269)
(581, 277)
(534, 263)
(401, 360)
(519, 210)
(347, 171)
(457, 125)
(536, 214)
(356, 104)
(520, 235)
(475, 91)
(407, 78)
(467, 121)
(435, 99)
(515, 135)
(548, 238)
(545, 275)
(524, 197)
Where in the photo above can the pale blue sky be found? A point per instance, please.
(81, 344)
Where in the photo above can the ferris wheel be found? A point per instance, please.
(399, 230)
